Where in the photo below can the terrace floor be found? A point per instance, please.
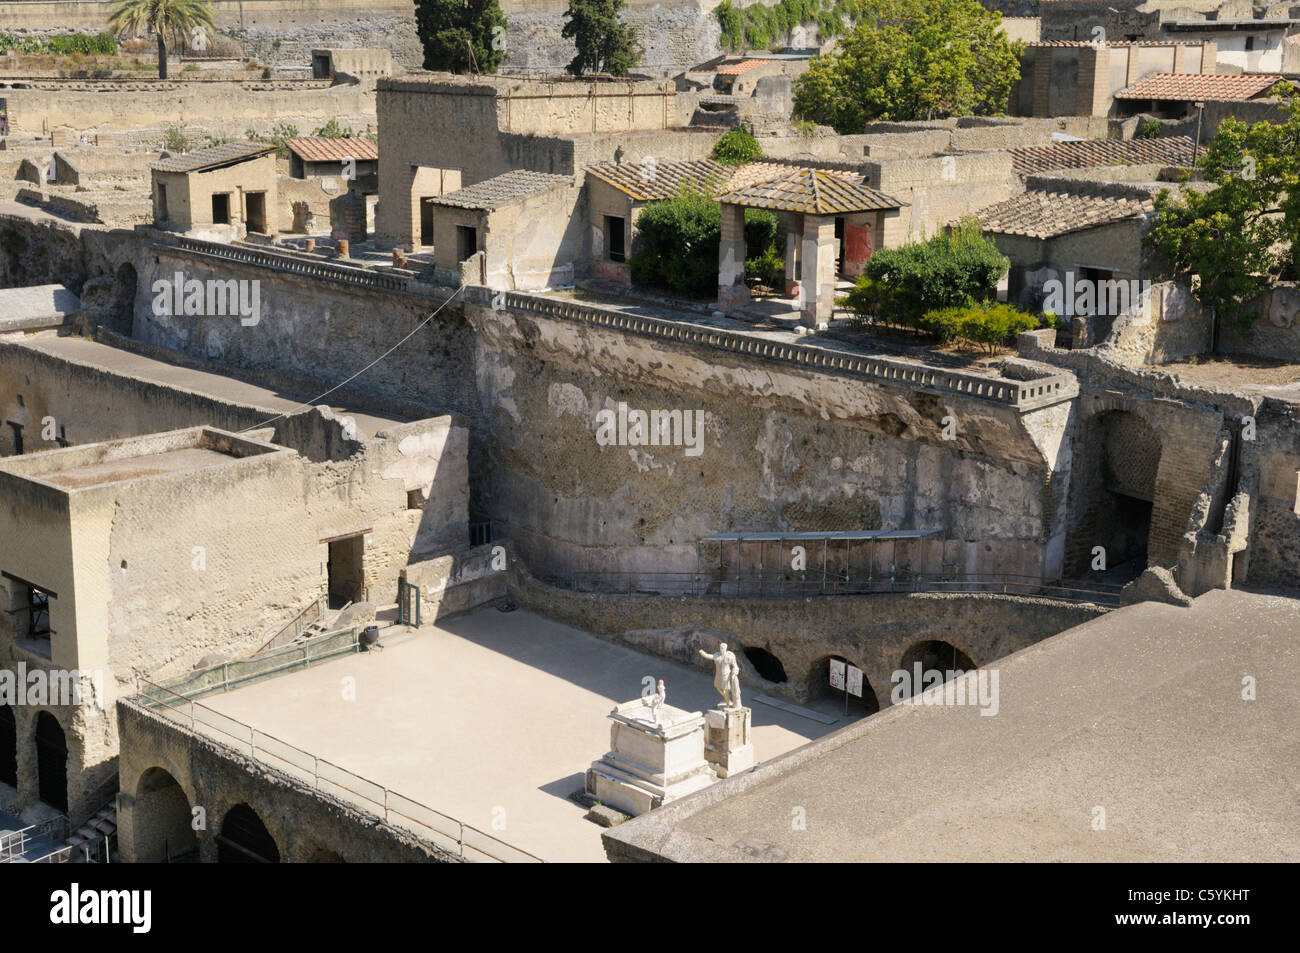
(488, 716)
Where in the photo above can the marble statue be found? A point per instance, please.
(657, 700)
(726, 675)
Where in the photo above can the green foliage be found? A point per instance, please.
(806, 128)
(280, 135)
(1228, 244)
(911, 59)
(766, 269)
(988, 324)
(1148, 130)
(332, 130)
(678, 238)
(736, 147)
(461, 36)
(759, 27)
(101, 44)
(175, 20)
(174, 139)
(955, 269)
(604, 43)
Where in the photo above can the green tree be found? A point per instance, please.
(461, 36)
(178, 20)
(912, 59)
(605, 44)
(1229, 243)
(736, 147)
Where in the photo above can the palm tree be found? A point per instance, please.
(166, 18)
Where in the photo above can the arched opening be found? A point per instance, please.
(766, 664)
(818, 689)
(927, 657)
(163, 821)
(324, 856)
(8, 746)
(1112, 489)
(51, 762)
(244, 839)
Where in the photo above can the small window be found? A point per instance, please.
(38, 613)
(221, 209)
(1250, 43)
(615, 237)
(17, 430)
(415, 499)
(466, 241)
(162, 203)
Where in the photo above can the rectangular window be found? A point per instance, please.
(221, 209)
(162, 203)
(616, 237)
(17, 430)
(466, 241)
(38, 613)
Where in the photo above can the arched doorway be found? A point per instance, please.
(818, 688)
(123, 316)
(1112, 492)
(244, 839)
(51, 762)
(932, 656)
(163, 821)
(766, 664)
(8, 746)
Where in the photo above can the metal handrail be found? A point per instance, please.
(777, 585)
(296, 624)
(385, 808)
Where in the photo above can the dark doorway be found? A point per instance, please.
(221, 209)
(766, 664)
(466, 242)
(934, 656)
(839, 247)
(51, 762)
(346, 570)
(17, 431)
(163, 214)
(255, 203)
(164, 831)
(426, 221)
(320, 66)
(244, 839)
(819, 688)
(8, 746)
(616, 237)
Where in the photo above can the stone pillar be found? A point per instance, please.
(731, 259)
(728, 746)
(1092, 94)
(1180, 58)
(1131, 72)
(818, 269)
(1042, 82)
(1209, 56)
(791, 264)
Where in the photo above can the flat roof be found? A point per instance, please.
(488, 715)
(1139, 712)
(135, 467)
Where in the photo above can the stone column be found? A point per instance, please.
(818, 269)
(791, 262)
(731, 259)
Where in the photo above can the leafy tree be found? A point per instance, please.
(605, 44)
(333, 130)
(1227, 244)
(736, 147)
(175, 19)
(461, 36)
(912, 59)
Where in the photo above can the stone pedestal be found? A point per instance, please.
(648, 765)
(728, 747)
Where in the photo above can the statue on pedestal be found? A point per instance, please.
(657, 700)
(726, 675)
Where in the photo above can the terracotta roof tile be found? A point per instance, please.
(1211, 87)
(1046, 213)
(1169, 150)
(744, 66)
(814, 191)
(322, 149)
(650, 179)
(213, 156)
(501, 190)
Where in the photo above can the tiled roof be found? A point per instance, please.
(814, 191)
(321, 149)
(1211, 87)
(213, 156)
(1046, 213)
(744, 66)
(1169, 150)
(650, 179)
(753, 172)
(501, 190)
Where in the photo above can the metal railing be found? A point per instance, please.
(789, 585)
(394, 809)
(14, 844)
(296, 626)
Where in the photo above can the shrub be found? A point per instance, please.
(174, 139)
(767, 269)
(736, 147)
(1148, 129)
(955, 269)
(761, 227)
(332, 130)
(985, 325)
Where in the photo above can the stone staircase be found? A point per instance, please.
(90, 841)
